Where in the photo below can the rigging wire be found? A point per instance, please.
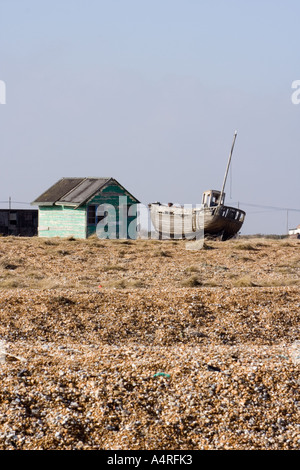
(270, 208)
(231, 178)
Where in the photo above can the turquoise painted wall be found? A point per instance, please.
(111, 195)
(62, 221)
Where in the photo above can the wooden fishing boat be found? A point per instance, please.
(211, 219)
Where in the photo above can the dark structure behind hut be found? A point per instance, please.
(19, 222)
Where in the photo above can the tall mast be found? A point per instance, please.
(228, 165)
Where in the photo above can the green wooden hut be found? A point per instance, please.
(74, 207)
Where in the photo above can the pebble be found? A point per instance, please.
(91, 375)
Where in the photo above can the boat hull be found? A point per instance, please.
(222, 222)
(225, 222)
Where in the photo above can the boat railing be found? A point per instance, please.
(230, 213)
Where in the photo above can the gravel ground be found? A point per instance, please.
(145, 345)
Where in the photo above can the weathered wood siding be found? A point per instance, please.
(62, 221)
(111, 194)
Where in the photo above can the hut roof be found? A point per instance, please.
(74, 191)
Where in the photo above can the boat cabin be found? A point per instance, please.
(211, 198)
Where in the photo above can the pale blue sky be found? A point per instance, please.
(151, 92)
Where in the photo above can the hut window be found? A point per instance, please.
(91, 215)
